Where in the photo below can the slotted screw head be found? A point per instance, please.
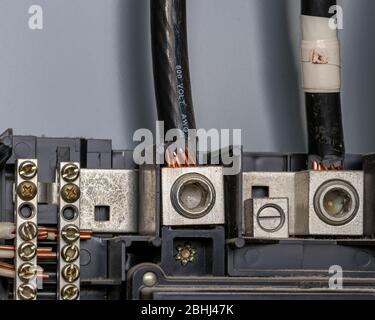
(26, 292)
(27, 170)
(70, 253)
(70, 193)
(69, 292)
(70, 172)
(28, 231)
(27, 191)
(27, 271)
(27, 251)
(70, 233)
(271, 218)
(70, 272)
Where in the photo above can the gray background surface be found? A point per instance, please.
(89, 72)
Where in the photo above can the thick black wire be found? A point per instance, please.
(171, 64)
(324, 118)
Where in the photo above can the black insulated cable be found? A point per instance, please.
(317, 8)
(171, 65)
(324, 118)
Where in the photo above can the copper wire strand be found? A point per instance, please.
(318, 166)
(42, 252)
(6, 266)
(12, 248)
(10, 267)
(47, 255)
(44, 235)
(179, 159)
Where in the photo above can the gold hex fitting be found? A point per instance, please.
(185, 254)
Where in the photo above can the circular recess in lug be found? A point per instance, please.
(336, 202)
(70, 213)
(193, 196)
(26, 210)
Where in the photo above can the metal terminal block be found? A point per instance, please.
(270, 185)
(330, 203)
(270, 218)
(26, 219)
(193, 196)
(114, 191)
(69, 231)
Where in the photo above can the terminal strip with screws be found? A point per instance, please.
(69, 231)
(220, 233)
(26, 219)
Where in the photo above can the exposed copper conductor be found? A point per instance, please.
(42, 252)
(179, 158)
(10, 267)
(6, 266)
(318, 166)
(46, 233)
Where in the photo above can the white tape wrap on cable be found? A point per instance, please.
(320, 56)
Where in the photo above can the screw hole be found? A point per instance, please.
(26, 211)
(69, 213)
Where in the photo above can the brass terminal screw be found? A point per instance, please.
(70, 272)
(70, 253)
(69, 292)
(27, 170)
(70, 233)
(26, 292)
(27, 251)
(28, 231)
(70, 193)
(185, 254)
(27, 271)
(70, 172)
(27, 191)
